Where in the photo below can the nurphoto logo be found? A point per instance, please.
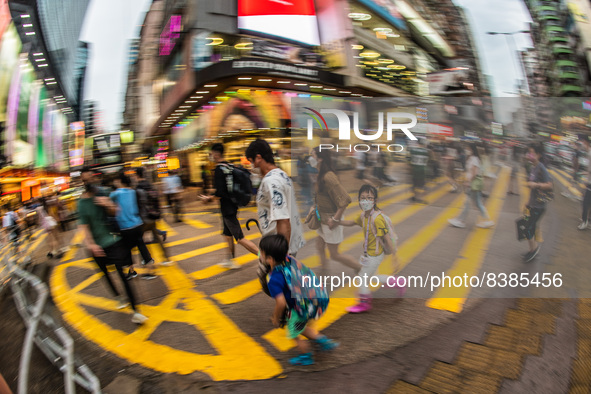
(345, 130)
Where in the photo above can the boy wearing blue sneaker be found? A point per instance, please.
(295, 303)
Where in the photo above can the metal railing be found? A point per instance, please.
(30, 296)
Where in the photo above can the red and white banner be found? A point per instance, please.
(291, 19)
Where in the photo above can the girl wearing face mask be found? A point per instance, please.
(373, 252)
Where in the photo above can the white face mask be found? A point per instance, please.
(313, 162)
(366, 205)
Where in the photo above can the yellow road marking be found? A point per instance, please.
(567, 176)
(232, 346)
(163, 226)
(251, 288)
(76, 240)
(196, 223)
(574, 191)
(207, 249)
(87, 282)
(344, 297)
(34, 246)
(472, 254)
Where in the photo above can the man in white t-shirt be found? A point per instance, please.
(277, 207)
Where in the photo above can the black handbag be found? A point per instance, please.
(522, 227)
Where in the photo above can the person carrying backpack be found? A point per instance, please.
(149, 208)
(380, 240)
(225, 178)
(297, 299)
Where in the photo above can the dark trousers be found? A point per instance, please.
(134, 237)
(120, 256)
(587, 202)
(535, 214)
(156, 235)
(174, 201)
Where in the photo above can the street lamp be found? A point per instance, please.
(513, 48)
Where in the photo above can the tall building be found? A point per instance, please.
(89, 116)
(141, 103)
(132, 96)
(61, 21)
(82, 56)
(556, 37)
(37, 101)
(50, 31)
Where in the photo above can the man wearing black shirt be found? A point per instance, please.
(228, 209)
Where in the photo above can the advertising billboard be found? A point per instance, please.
(293, 20)
(77, 145)
(10, 47)
(4, 16)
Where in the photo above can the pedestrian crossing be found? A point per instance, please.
(198, 238)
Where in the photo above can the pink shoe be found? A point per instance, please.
(364, 305)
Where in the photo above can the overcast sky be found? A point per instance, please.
(110, 24)
(496, 57)
(108, 27)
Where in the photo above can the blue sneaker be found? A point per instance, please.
(302, 359)
(326, 344)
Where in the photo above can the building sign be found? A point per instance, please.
(126, 137)
(291, 54)
(170, 34)
(269, 67)
(293, 20)
(439, 129)
(496, 128)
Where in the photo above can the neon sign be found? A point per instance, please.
(171, 33)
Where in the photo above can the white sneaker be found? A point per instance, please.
(582, 226)
(138, 318)
(121, 302)
(457, 223)
(229, 264)
(167, 263)
(487, 224)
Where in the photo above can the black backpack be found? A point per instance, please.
(148, 202)
(238, 184)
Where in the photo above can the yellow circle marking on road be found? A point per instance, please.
(238, 356)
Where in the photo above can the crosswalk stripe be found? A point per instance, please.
(472, 254)
(251, 288)
(163, 226)
(197, 223)
(568, 176)
(34, 246)
(574, 191)
(207, 249)
(76, 240)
